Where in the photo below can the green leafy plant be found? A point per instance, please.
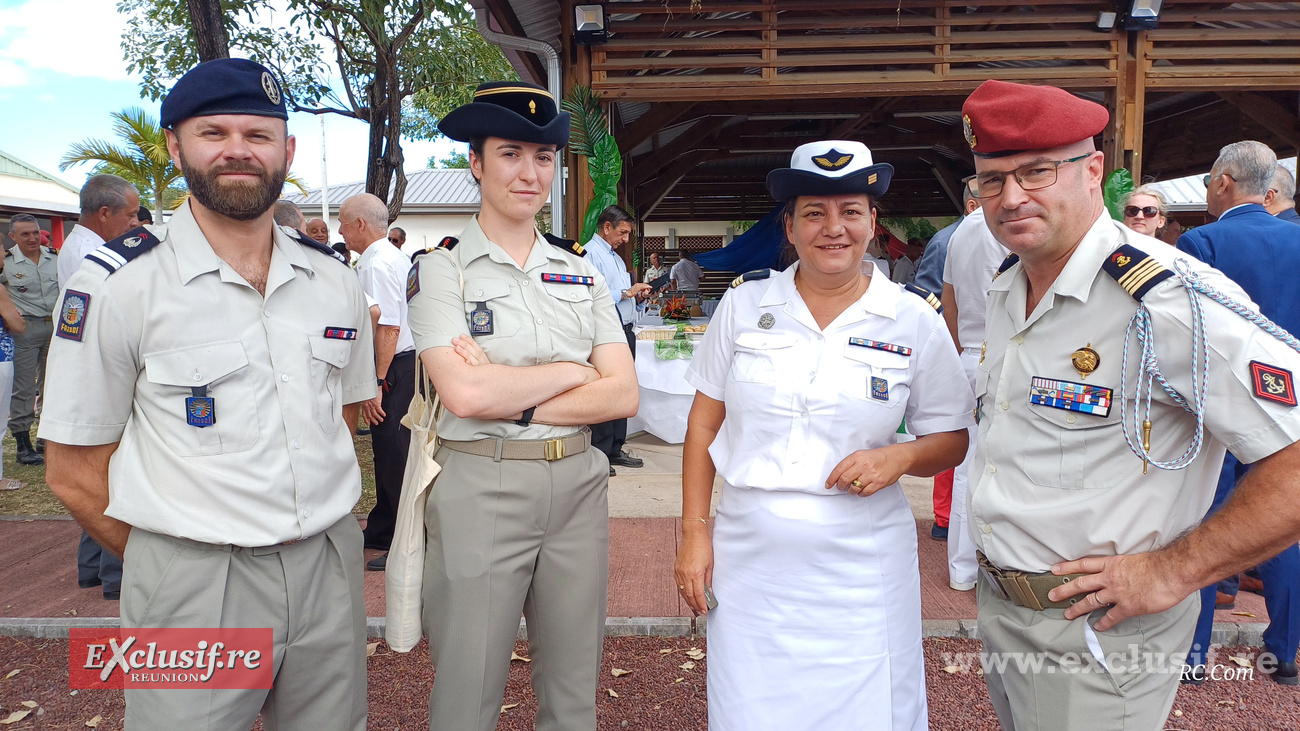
(741, 227)
(911, 228)
(1118, 185)
(589, 136)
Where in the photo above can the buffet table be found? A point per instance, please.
(665, 395)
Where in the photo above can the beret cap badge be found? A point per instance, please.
(967, 131)
(271, 88)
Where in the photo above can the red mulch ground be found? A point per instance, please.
(649, 698)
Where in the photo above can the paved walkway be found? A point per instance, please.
(38, 576)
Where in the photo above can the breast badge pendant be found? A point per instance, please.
(1085, 360)
(200, 409)
(766, 321)
(879, 389)
(480, 320)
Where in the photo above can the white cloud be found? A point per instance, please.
(86, 40)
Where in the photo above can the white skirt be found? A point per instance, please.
(818, 624)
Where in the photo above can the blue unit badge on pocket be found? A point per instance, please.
(200, 409)
(480, 320)
(72, 316)
(879, 388)
(1070, 396)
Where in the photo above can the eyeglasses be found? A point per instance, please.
(1206, 180)
(1032, 176)
(394, 239)
(1145, 211)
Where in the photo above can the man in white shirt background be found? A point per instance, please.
(614, 228)
(363, 223)
(686, 274)
(108, 206)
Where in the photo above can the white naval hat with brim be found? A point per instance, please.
(830, 167)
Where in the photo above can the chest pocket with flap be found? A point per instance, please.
(867, 363)
(761, 357)
(574, 314)
(493, 293)
(328, 359)
(221, 368)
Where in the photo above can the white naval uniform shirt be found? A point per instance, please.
(278, 463)
(383, 270)
(973, 258)
(799, 399)
(1050, 485)
(79, 242)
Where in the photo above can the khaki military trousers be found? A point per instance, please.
(512, 537)
(31, 348)
(1045, 673)
(308, 593)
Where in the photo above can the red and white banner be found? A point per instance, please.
(170, 658)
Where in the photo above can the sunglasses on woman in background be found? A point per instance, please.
(1146, 211)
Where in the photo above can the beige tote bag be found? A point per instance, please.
(404, 576)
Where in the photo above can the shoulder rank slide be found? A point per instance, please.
(1135, 270)
(1006, 264)
(573, 247)
(447, 243)
(925, 294)
(568, 279)
(116, 253)
(753, 276)
(317, 246)
(878, 345)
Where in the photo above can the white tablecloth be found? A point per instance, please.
(665, 395)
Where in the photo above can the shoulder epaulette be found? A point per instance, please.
(753, 276)
(315, 245)
(927, 295)
(447, 243)
(1006, 264)
(1135, 270)
(573, 247)
(116, 253)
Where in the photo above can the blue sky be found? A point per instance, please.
(58, 90)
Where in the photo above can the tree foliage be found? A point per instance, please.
(141, 158)
(457, 161)
(589, 136)
(401, 64)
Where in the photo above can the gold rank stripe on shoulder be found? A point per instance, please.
(925, 294)
(1135, 271)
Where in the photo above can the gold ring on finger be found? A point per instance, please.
(856, 483)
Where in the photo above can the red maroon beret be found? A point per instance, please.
(1001, 118)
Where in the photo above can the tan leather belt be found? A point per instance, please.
(547, 449)
(1025, 589)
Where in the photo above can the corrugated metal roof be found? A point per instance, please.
(1188, 194)
(429, 191)
(10, 165)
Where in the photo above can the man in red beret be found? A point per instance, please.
(1108, 389)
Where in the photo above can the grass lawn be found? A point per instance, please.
(35, 497)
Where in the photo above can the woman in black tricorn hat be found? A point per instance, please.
(802, 381)
(523, 344)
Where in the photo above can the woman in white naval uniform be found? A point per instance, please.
(802, 381)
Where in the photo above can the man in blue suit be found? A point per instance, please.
(1261, 253)
(1280, 199)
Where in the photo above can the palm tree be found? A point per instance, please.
(142, 160)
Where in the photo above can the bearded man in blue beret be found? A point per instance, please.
(202, 381)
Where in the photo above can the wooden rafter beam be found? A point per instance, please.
(648, 166)
(509, 22)
(647, 125)
(655, 192)
(1269, 114)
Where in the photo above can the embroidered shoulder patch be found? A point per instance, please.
(72, 316)
(1272, 383)
(413, 282)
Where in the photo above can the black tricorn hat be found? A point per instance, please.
(830, 167)
(511, 110)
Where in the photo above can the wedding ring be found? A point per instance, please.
(856, 483)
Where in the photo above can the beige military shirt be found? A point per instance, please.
(1050, 484)
(533, 321)
(32, 285)
(133, 347)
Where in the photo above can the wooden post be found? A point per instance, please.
(578, 187)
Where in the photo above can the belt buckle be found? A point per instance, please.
(554, 449)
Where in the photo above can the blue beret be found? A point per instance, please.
(224, 86)
(511, 110)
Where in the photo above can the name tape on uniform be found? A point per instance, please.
(878, 345)
(341, 333)
(1070, 396)
(568, 279)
